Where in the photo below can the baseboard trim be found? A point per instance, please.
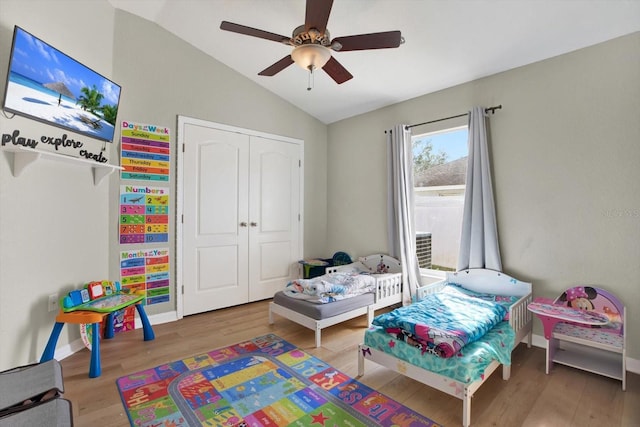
(156, 319)
(69, 349)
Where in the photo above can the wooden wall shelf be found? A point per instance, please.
(23, 157)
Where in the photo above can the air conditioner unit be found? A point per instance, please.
(423, 249)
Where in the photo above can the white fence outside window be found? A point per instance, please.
(441, 216)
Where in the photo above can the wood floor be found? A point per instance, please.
(567, 397)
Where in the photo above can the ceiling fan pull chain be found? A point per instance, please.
(310, 82)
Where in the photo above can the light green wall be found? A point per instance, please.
(565, 156)
(53, 221)
(58, 230)
(162, 77)
(564, 150)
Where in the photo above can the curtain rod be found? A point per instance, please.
(492, 110)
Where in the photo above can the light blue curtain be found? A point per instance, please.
(401, 228)
(479, 240)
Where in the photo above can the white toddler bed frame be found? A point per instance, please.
(388, 291)
(479, 280)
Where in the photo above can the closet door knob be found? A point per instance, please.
(254, 224)
(243, 224)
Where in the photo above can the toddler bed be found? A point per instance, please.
(442, 360)
(384, 275)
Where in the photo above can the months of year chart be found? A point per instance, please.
(144, 214)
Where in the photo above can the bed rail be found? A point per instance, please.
(431, 288)
(520, 319)
(388, 290)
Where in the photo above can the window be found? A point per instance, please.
(439, 172)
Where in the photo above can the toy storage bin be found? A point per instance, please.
(315, 267)
(32, 396)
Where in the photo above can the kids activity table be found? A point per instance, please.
(93, 313)
(550, 314)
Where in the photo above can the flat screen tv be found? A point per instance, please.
(46, 85)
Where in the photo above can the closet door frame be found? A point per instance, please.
(185, 120)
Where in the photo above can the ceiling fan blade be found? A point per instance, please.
(317, 14)
(383, 40)
(248, 31)
(277, 67)
(336, 71)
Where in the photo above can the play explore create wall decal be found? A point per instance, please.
(265, 381)
(62, 143)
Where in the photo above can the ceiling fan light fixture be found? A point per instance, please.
(310, 56)
(312, 43)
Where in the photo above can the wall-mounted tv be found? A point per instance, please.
(46, 85)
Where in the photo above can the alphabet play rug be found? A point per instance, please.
(265, 381)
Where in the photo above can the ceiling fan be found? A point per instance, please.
(312, 44)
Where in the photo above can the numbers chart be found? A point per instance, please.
(144, 214)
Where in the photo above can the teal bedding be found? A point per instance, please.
(467, 366)
(443, 322)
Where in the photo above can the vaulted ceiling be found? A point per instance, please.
(446, 42)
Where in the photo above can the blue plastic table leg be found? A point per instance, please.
(50, 349)
(149, 335)
(108, 327)
(94, 368)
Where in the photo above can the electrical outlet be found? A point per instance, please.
(54, 304)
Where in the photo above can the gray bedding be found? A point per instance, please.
(323, 311)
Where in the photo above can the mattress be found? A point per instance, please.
(323, 311)
(467, 366)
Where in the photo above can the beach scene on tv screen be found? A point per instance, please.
(47, 85)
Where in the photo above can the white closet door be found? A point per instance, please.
(274, 209)
(215, 228)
